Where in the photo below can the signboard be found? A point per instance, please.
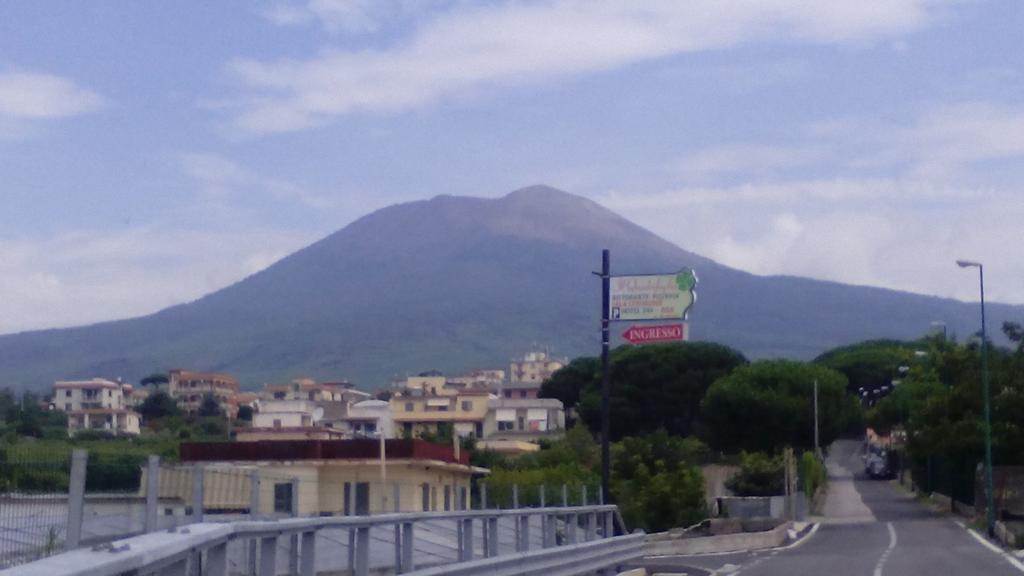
(651, 334)
(652, 296)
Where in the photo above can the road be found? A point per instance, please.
(869, 528)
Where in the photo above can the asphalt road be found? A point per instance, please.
(869, 528)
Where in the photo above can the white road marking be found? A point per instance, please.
(984, 542)
(885, 555)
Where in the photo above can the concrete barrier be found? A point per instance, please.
(659, 545)
(942, 501)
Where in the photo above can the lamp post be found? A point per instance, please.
(989, 505)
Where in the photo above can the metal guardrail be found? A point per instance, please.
(588, 544)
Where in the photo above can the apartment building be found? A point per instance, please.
(189, 388)
(308, 389)
(416, 413)
(526, 375)
(368, 419)
(97, 404)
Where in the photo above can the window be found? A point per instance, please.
(277, 423)
(447, 498)
(67, 407)
(425, 496)
(407, 429)
(467, 405)
(283, 497)
(67, 393)
(505, 426)
(508, 393)
(109, 393)
(522, 393)
(522, 423)
(408, 407)
(479, 430)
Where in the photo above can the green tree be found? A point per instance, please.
(871, 364)
(769, 404)
(209, 407)
(155, 379)
(652, 387)
(760, 475)
(568, 382)
(245, 413)
(158, 405)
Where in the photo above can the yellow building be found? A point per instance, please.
(98, 405)
(465, 412)
(189, 388)
(333, 477)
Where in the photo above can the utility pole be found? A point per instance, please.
(817, 446)
(605, 381)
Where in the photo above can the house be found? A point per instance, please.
(368, 419)
(416, 413)
(526, 375)
(523, 419)
(288, 420)
(96, 404)
(308, 389)
(331, 477)
(189, 388)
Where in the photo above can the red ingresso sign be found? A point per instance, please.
(661, 333)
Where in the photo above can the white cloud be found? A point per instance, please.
(749, 160)
(220, 178)
(88, 276)
(517, 43)
(44, 96)
(345, 16)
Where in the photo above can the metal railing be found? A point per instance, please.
(574, 540)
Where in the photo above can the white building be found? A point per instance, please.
(96, 404)
(369, 419)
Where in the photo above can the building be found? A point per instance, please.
(96, 404)
(308, 389)
(337, 477)
(523, 419)
(526, 375)
(288, 420)
(189, 388)
(368, 419)
(486, 379)
(415, 414)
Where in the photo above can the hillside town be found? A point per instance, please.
(498, 408)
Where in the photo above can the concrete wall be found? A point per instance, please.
(658, 545)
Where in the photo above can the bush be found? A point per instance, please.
(812, 473)
(760, 475)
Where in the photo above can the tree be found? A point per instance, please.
(155, 379)
(770, 404)
(245, 413)
(658, 386)
(158, 405)
(568, 382)
(209, 407)
(760, 475)
(871, 364)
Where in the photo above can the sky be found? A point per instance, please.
(153, 152)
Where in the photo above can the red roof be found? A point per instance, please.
(360, 449)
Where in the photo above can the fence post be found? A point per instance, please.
(254, 511)
(217, 560)
(523, 537)
(465, 539)
(515, 496)
(583, 495)
(76, 498)
(268, 556)
(362, 567)
(198, 473)
(491, 531)
(397, 498)
(293, 540)
(152, 493)
(565, 496)
(483, 495)
(407, 547)
(543, 500)
(308, 567)
(600, 495)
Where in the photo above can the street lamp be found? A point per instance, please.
(989, 506)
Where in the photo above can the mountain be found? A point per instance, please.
(454, 283)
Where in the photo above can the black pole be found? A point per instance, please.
(605, 385)
(989, 496)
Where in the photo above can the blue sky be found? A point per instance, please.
(152, 152)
